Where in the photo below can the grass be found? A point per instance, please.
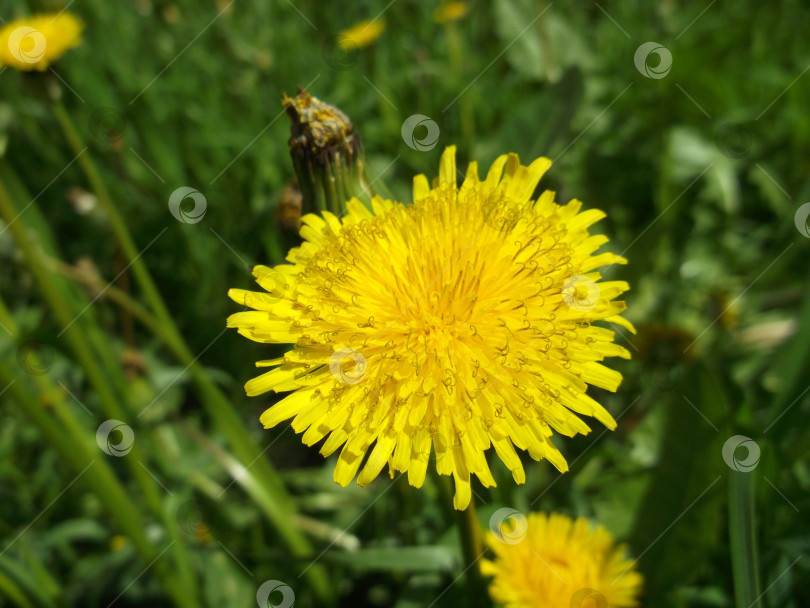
(112, 309)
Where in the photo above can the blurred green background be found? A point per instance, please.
(703, 171)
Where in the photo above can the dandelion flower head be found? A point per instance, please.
(34, 43)
(553, 561)
(457, 324)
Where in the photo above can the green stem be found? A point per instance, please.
(144, 316)
(456, 56)
(333, 204)
(73, 447)
(12, 591)
(56, 300)
(470, 536)
(742, 533)
(119, 296)
(217, 405)
(74, 437)
(131, 252)
(341, 174)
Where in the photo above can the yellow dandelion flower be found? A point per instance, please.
(459, 323)
(34, 43)
(452, 11)
(555, 562)
(361, 34)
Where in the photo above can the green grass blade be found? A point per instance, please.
(741, 526)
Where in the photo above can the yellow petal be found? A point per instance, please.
(288, 407)
(447, 168)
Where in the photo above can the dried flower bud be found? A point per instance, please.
(327, 154)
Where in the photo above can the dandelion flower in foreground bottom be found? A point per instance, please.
(557, 562)
(456, 324)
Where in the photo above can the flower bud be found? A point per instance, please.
(327, 154)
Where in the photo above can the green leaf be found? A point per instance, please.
(19, 580)
(679, 520)
(742, 532)
(399, 559)
(10, 589)
(513, 24)
(74, 530)
(539, 44)
(792, 364)
(226, 583)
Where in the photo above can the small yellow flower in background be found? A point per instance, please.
(451, 11)
(34, 43)
(457, 324)
(555, 562)
(118, 542)
(361, 34)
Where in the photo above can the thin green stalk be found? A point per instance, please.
(793, 364)
(470, 535)
(119, 296)
(94, 469)
(217, 405)
(13, 592)
(109, 400)
(742, 533)
(333, 204)
(18, 590)
(91, 330)
(456, 56)
(341, 172)
(145, 317)
(76, 436)
(131, 252)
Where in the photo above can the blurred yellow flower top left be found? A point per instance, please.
(34, 43)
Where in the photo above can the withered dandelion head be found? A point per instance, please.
(34, 43)
(555, 562)
(318, 127)
(459, 323)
